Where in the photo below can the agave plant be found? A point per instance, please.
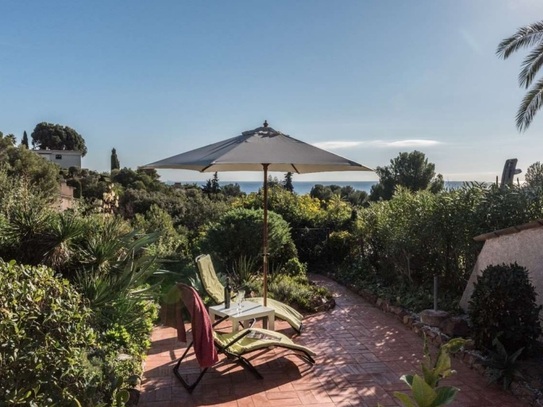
(503, 366)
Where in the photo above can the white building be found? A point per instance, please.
(64, 158)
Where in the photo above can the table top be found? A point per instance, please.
(249, 309)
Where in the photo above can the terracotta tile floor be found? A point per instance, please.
(362, 352)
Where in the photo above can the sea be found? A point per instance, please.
(304, 187)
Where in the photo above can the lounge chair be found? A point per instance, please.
(207, 342)
(215, 290)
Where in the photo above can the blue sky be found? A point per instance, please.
(364, 79)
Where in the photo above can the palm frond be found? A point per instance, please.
(530, 105)
(524, 37)
(59, 239)
(129, 280)
(531, 66)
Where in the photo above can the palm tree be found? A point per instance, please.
(530, 36)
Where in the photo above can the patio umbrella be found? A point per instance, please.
(260, 149)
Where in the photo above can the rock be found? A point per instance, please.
(395, 310)
(456, 326)
(403, 314)
(408, 320)
(433, 318)
(369, 296)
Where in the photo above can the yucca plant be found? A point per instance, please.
(114, 279)
(244, 271)
(116, 266)
(60, 240)
(32, 229)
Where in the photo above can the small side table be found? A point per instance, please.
(249, 310)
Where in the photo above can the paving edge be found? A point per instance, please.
(468, 356)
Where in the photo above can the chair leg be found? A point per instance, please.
(244, 362)
(307, 358)
(190, 387)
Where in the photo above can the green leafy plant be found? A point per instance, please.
(46, 340)
(299, 292)
(504, 304)
(239, 233)
(114, 278)
(397, 246)
(501, 366)
(425, 389)
(339, 246)
(243, 271)
(293, 267)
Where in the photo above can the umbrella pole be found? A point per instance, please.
(265, 235)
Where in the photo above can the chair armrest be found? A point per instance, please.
(218, 321)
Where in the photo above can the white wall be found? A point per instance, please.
(65, 159)
(524, 247)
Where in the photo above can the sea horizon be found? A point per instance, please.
(304, 187)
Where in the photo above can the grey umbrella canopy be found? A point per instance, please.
(255, 150)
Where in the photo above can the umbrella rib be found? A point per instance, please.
(295, 169)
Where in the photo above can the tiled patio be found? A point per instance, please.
(362, 352)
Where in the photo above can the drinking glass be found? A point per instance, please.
(240, 297)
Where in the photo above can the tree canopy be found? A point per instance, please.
(22, 162)
(212, 185)
(48, 136)
(534, 175)
(346, 193)
(530, 36)
(410, 170)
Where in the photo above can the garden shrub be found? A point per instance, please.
(298, 292)
(310, 244)
(298, 210)
(339, 246)
(503, 305)
(171, 244)
(293, 267)
(45, 340)
(239, 233)
(336, 214)
(115, 280)
(415, 236)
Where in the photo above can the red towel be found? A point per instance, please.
(202, 330)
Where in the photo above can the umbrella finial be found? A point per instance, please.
(265, 123)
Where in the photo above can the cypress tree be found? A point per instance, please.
(24, 141)
(287, 183)
(115, 165)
